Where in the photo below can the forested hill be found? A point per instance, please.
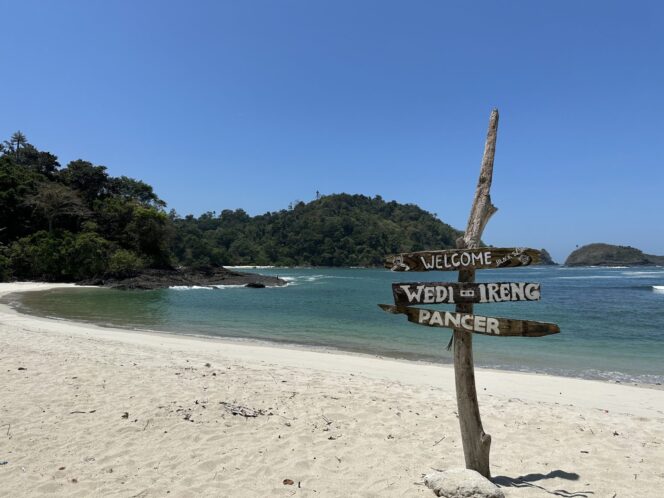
(72, 223)
(334, 230)
(77, 222)
(600, 254)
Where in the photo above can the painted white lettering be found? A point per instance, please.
(436, 319)
(441, 294)
(533, 292)
(483, 296)
(505, 292)
(455, 259)
(452, 319)
(424, 316)
(466, 258)
(413, 296)
(429, 295)
(492, 293)
(518, 292)
(427, 264)
(492, 326)
(467, 322)
(480, 324)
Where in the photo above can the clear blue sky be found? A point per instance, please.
(254, 104)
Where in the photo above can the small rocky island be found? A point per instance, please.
(164, 278)
(611, 255)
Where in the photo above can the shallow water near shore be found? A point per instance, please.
(611, 319)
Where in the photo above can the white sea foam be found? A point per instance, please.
(590, 277)
(250, 267)
(658, 288)
(189, 287)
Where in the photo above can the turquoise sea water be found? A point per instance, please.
(612, 319)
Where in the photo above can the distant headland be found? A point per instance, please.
(599, 254)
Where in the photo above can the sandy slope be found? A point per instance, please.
(339, 425)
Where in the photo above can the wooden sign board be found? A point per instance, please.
(464, 292)
(467, 322)
(461, 259)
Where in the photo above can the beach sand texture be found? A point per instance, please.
(335, 424)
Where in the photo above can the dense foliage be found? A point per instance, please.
(76, 222)
(334, 230)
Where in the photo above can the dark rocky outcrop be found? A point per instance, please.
(546, 258)
(161, 279)
(611, 255)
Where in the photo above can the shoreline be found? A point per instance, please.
(285, 344)
(96, 411)
(319, 358)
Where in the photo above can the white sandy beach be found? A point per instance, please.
(335, 424)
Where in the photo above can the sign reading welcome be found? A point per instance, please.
(461, 259)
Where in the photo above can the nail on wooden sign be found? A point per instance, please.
(464, 292)
(461, 259)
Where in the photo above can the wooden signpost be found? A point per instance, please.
(467, 258)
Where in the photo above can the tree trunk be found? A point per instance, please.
(476, 443)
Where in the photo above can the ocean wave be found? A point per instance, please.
(621, 377)
(296, 280)
(251, 267)
(590, 277)
(589, 374)
(189, 287)
(220, 287)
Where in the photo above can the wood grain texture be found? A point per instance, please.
(463, 292)
(466, 322)
(463, 259)
(476, 442)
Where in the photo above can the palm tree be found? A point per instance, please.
(15, 143)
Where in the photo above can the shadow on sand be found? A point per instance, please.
(527, 481)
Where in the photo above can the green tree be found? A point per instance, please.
(151, 233)
(15, 144)
(135, 190)
(54, 201)
(91, 181)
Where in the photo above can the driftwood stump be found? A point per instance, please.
(476, 443)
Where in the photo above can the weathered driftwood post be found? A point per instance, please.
(476, 443)
(466, 259)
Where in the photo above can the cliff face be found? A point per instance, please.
(546, 258)
(610, 255)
